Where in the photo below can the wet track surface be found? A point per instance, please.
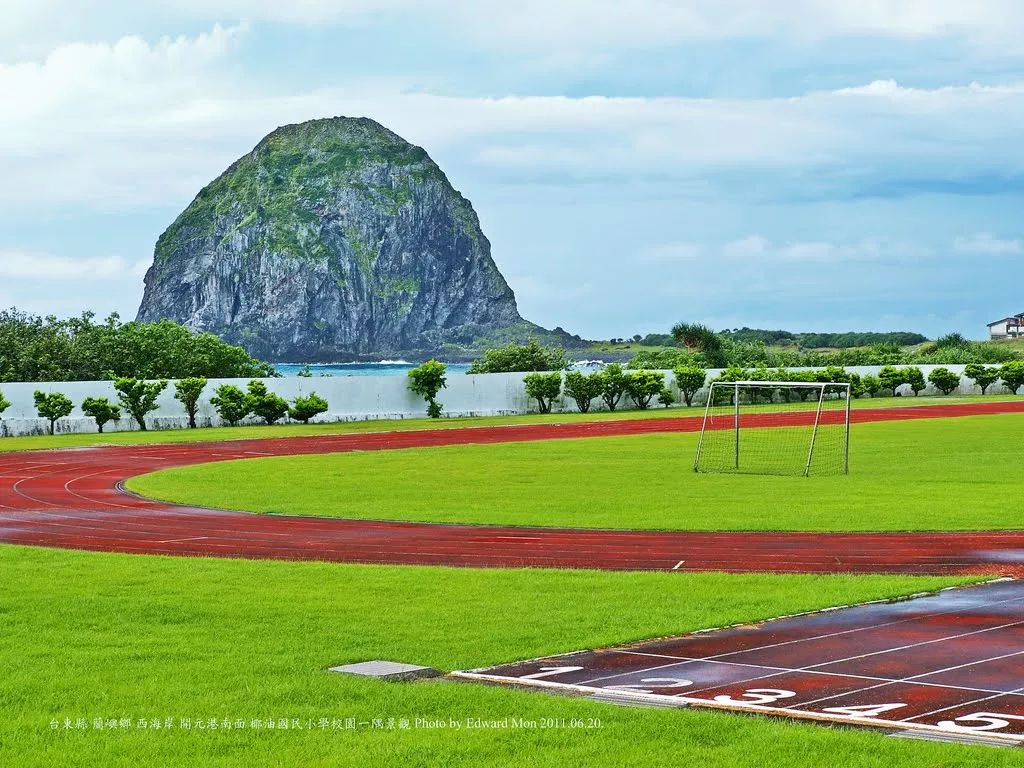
(952, 662)
(73, 498)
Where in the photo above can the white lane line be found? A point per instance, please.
(678, 565)
(917, 617)
(175, 541)
(792, 670)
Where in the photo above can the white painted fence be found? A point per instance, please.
(351, 398)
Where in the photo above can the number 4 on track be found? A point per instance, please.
(863, 710)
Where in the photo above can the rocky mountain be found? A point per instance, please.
(332, 239)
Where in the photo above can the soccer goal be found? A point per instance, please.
(775, 428)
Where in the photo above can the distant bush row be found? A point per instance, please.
(889, 379)
(949, 350)
(613, 385)
(138, 399)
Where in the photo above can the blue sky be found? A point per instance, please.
(820, 165)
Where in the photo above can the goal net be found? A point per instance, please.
(775, 428)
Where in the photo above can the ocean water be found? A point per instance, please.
(382, 368)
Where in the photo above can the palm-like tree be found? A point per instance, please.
(699, 338)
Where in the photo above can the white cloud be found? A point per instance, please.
(601, 24)
(986, 244)
(133, 123)
(41, 266)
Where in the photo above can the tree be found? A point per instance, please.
(544, 388)
(426, 381)
(80, 348)
(305, 408)
(644, 386)
(267, 405)
(515, 358)
(187, 392)
(52, 406)
(1011, 373)
(101, 409)
(982, 375)
(231, 403)
(690, 380)
(583, 388)
(944, 380)
(138, 397)
(913, 377)
(666, 397)
(870, 385)
(613, 384)
(699, 338)
(4, 403)
(891, 378)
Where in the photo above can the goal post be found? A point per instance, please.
(775, 428)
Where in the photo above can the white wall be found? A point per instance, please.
(351, 398)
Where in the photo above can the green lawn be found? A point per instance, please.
(385, 425)
(89, 635)
(934, 474)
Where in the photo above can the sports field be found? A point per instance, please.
(934, 474)
(126, 638)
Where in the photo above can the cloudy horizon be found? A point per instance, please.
(827, 166)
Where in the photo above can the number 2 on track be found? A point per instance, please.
(550, 672)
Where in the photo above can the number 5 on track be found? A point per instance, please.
(989, 721)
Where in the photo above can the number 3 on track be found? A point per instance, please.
(757, 696)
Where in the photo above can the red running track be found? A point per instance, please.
(73, 499)
(948, 663)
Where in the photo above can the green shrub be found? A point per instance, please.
(913, 378)
(891, 378)
(426, 381)
(663, 359)
(4, 403)
(613, 385)
(187, 392)
(982, 375)
(690, 379)
(231, 403)
(101, 409)
(138, 397)
(643, 386)
(870, 385)
(305, 408)
(516, 358)
(52, 406)
(666, 397)
(544, 388)
(583, 388)
(263, 403)
(944, 380)
(1011, 373)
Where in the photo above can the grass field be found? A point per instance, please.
(89, 635)
(934, 474)
(384, 425)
